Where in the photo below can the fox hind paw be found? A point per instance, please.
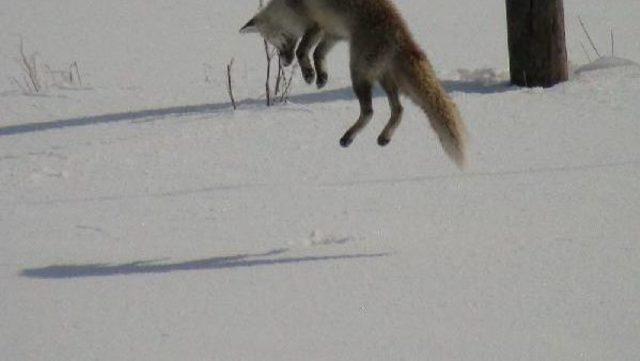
(346, 140)
(382, 141)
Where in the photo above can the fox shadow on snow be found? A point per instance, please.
(327, 96)
(271, 258)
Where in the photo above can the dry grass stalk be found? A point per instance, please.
(269, 55)
(287, 85)
(584, 28)
(230, 85)
(584, 49)
(31, 77)
(74, 74)
(613, 42)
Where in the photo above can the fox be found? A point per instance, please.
(381, 50)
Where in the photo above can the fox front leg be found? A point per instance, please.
(309, 39)
(319, 59)
(287, 50)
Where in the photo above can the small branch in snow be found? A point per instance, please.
(64, 78)
(19, 85)
(584, 28)
(31, 77)
(287, 85)
(74, 71)
(268, 81)
(613, 53)
(585, 51)
(280, 90)
(279, 77)
(230, 85)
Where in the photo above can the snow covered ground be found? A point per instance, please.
(143, 219)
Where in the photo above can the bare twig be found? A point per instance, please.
(268, 81)
(279, 77)
(268, 54)
(612, 44)
(73, 70)
(281, 87)
(287, 85)
(230, 85)
(68, 77)
(585, 51)
(29, 65)
(20, 85)
(38, 77)
(584, 28)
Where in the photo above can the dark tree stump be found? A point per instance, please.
(537, 47)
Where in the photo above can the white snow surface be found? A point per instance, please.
(143, 219)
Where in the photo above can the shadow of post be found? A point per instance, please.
(270, 258)
(326, 96)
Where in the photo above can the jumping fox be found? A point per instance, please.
(381, 50)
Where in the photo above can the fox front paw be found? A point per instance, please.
(286, 55)
(308, 74)
(321, 80)
(286, 59)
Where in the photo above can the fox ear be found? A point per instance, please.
(250, 27)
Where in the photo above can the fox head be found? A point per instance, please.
(280, 26)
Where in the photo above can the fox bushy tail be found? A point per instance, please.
(426, 91)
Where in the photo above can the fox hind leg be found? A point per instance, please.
(390, 87)
(309, 40)
(368, 62)
(363, 89)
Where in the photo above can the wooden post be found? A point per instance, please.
(537, 48)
